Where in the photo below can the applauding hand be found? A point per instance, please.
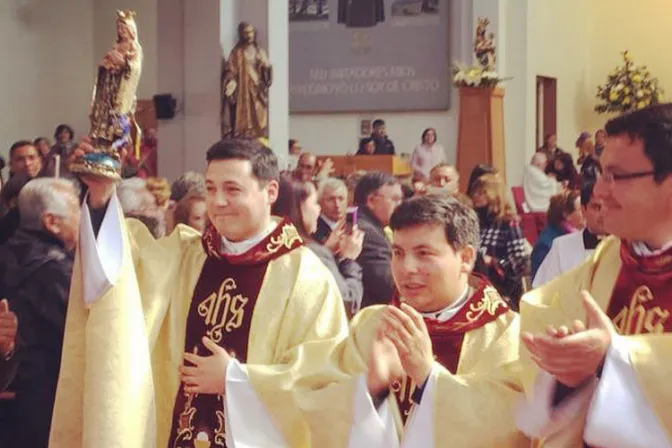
(407, 330)
(384, 365)
(8, 328)
(208, 373)
(573, 355)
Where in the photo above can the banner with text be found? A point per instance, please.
(368, 55)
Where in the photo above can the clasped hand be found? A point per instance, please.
(573, 354)
(8, 328)
(207, 374)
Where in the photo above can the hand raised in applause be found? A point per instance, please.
(384, 364)
(573, 355)
(208, 373)
(8, 328)
(408, 331)
(334, 239)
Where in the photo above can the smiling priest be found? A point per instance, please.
(194, 341)
(441, 360)
(597, 339)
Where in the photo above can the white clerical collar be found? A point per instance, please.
(451, 310)
(240, 247)
(332, 224)
(641, 249)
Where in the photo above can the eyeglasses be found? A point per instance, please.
(612, 178)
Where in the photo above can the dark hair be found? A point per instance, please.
(17, 145)
(12, 188)
(38, 140)
(424, 133)
(187, 183)
(64, 127)
(263, 161)
(370, 183)
(291, 194)
(561, 206)
(292, 142)
(362, 144)
(478, 171)
(457, 218)
(378, 123)
(652, 125)
(241, 28)
(587, 192)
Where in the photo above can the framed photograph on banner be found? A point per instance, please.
(365, 127)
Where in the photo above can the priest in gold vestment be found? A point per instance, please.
(193, 341)
(597, 344)
(437, 366)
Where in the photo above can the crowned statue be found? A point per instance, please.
(113, 103)
(484, 46)
(246, 78)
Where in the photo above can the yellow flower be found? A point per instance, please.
(613, 96)
(626, 90)
(637, 78)
(659, 96)
(626, 100)
(627, 56)
(639, 94)
(641, 105)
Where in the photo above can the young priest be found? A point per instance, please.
(440, 358)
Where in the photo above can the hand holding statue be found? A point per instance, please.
(573, 355)
(100, 188)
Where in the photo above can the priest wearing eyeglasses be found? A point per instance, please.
(597, 340)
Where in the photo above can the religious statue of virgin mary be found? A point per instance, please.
(113, 103)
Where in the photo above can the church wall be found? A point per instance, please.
(644, 28)
(47, 69)
(339, 133)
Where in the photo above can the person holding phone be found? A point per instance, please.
(298, 201)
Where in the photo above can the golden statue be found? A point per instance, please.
(246, 78)
(484, 46)
(113, 103)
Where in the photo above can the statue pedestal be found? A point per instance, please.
(480, 137)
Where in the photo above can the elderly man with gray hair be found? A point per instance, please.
(332, 196)
(35, 267)
(538, 186)
(139, 203)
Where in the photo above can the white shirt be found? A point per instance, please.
(240, 247)
(538, 188)
(332, 225)
(567, 252)
(451, 310)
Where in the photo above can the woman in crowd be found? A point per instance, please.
(564, 171)
(428, 153)
(478, 171)
(564, 216)
(43, 146)
(503, 247)
(191, 211)
(298, 202)
(367, 147)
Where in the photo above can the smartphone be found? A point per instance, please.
(350, 219)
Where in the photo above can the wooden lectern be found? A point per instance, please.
(480, 137)
(344, 165)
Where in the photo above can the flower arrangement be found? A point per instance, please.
(629, 87)
(474, 76)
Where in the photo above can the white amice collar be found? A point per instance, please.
(451, 310)
(641, 249)
(240, 247)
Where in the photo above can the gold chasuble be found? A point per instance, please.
(276, 308)
(477, 385)
(636, 293)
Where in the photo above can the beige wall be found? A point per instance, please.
(46, 72)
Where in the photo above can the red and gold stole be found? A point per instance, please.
(221, 309)
(483, 306)
(642, 298)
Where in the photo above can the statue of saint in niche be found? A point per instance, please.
(246, 78)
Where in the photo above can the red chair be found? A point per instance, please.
(532, 223)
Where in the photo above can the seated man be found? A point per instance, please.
(538, 186)
(444, 350)
(596, 368)
(443, 179)
(8, 325)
